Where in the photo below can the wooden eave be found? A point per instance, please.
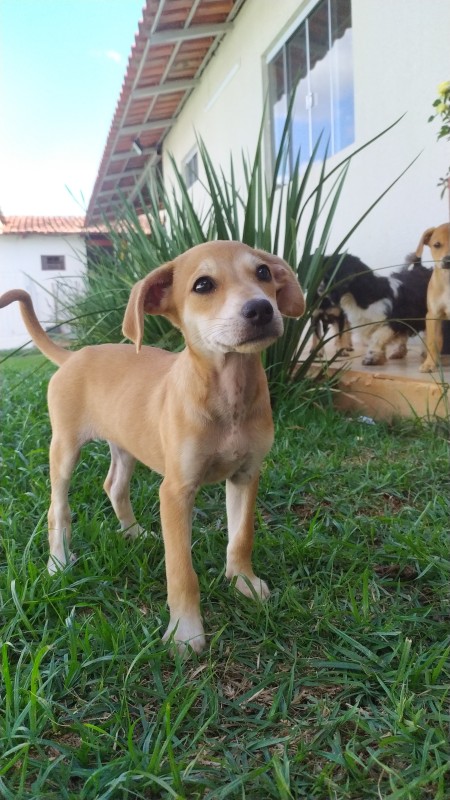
(174, 43)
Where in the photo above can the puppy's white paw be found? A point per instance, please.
(373, 359)
(134, 531)
(427, 366)
(254, 587)
(399, 352)
(187, 632)
(56, 564)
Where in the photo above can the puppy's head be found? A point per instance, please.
(438, 240)
(224, 296)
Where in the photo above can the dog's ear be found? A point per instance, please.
(290, 298)
(151, 295)
(425, 238)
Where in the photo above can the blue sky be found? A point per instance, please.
(62, 64)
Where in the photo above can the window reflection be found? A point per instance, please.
(297, 58)
(316, 63)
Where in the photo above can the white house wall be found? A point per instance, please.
(20, 268)
(400, 54)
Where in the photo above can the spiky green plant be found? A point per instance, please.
(264, 213)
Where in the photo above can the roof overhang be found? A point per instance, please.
(174, 43)
(48, 226)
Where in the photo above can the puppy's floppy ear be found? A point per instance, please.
(151, 295)
(425, 238)
(290, 298)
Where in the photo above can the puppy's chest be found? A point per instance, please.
(231, 407)
(234, 442)
(236, 456)
(440, 300)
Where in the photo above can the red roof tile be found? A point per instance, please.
(47, 225)
(174, 42)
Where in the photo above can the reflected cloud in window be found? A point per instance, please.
(316, 63)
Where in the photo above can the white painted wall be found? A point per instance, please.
(400, 56)
(401, 52)
(20, 268)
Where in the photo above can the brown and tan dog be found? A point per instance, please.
(199, 416)
(438, 295)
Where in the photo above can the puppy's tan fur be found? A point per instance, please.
(196, 417)
(438, 295)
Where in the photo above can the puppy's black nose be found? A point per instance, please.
(259, 312)
(446, 262)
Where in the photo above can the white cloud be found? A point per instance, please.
(108, 55)
(113, 55)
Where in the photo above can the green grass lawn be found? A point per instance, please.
(23, 362)
(337, 687)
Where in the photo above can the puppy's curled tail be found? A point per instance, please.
(412, 260)
(49, 348)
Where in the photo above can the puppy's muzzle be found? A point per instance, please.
(258, 312)
(446, 262)
(261, 324)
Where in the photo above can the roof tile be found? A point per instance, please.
(43, 225)
(155, 62)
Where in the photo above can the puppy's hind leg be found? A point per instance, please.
(63, 457)
(117, 487)
(240, 500)
(400, 346)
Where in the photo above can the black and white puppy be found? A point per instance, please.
(385, 310)
(326, 316)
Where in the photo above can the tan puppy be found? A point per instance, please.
(438, 295)
(199, 416)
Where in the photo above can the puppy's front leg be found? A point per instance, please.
(434, 342)
(378, 341)
(183, 595)
(241, 499)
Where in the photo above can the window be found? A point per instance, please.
(53, 262)
(191, 169)
(316, 64)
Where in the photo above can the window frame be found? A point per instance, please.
(47, 266)
(280, 48)
(191, 177)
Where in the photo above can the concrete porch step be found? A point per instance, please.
(395, 389)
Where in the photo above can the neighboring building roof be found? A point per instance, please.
(174, 43)
(43, 225)
(62, 226)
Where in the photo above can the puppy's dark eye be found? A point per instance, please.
(203, 285)
(263, 273)
(437, 244)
